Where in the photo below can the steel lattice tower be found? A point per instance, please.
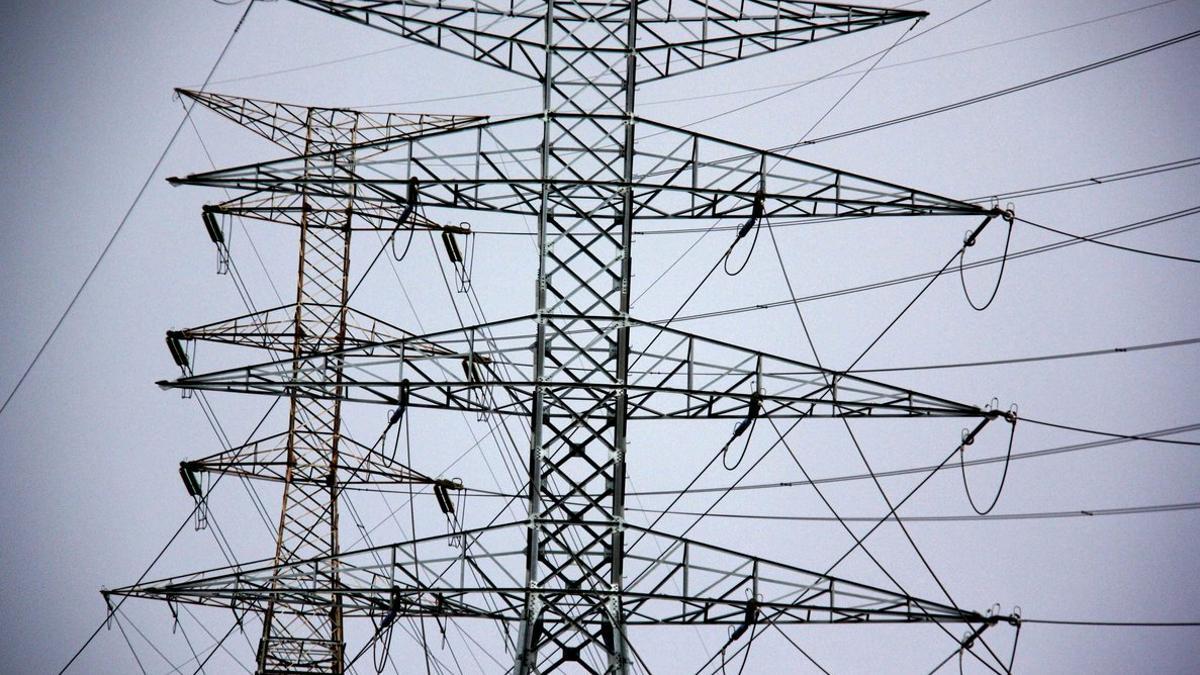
(597, 168)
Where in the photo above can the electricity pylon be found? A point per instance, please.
(587, 167)
(314, 458)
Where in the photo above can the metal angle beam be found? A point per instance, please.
(675, 173)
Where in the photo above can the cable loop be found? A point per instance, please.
(747, 424)
(1003, 476)
(1009, 216)
(753, 222)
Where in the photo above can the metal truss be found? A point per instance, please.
(674, 173)
(671, 581)
(275, 329)
(313, 459)
(673, 36)
(359, 467)
(574, 574)
(675, 374)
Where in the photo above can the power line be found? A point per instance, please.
(924, 59)
(1114, 624)
(1035, 359)
(201, 502)
(1156, 220)
(1009, 90)
(828, 75)
(1056, 450)
(124, 219)
(1038, 515)
(1127, 249)
(1097, 432)
(1096, 180)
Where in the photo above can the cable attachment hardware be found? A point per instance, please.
(476, 369)
(397, 415)
(108, 605)
(1008, 215)
(383, 634)
(756, 215)
(171, 607)
(751, 415)
(743, 425)
(441, 490)
(182, 350)
(216, 232)
(1010, 415)
(411, 199)
(748, 620)
(991, 412)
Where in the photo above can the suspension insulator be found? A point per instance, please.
(214, 228)
(190, 480)
(175, 346)
(452, 250)
(443, 497)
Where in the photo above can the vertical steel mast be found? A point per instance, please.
(577, 462)
(312, 641)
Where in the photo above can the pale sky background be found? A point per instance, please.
(89, 491)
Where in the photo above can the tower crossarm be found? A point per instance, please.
(671, 580)
(288, 125)
(384, 212)
(675, 173)
(359, 467)
(275, 329)
(672, 374)
(674, 37)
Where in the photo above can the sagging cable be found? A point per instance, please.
(744, 425)
(753, 223)
(396, 417)
(1009, 215)
(383, 634)
(410, 203)
(1011, 417)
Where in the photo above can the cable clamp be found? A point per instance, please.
(1010, 415)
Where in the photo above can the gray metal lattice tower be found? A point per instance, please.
(595, 170)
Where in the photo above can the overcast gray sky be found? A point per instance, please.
(89, 492)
